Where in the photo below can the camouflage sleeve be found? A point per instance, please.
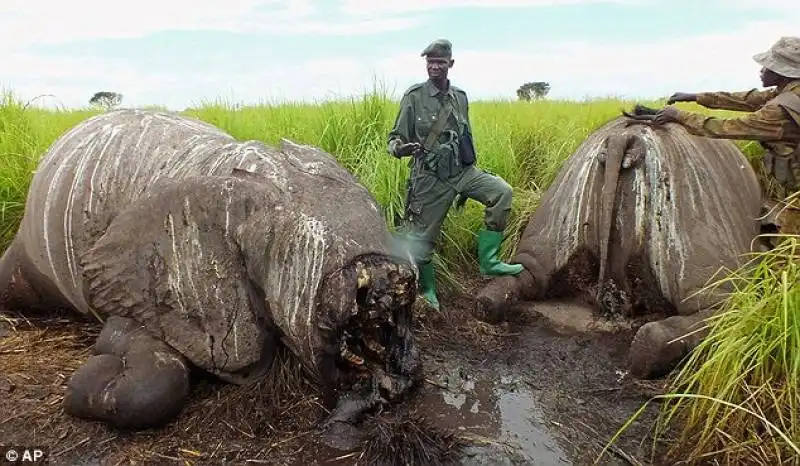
(769, 123)
(747, 101)
(403, 128)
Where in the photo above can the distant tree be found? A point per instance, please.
(533, 90)
(106, 100)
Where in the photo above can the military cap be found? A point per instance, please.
(783, 57)
(440, 48)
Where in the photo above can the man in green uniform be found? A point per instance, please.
(774, 120)
(433, 128)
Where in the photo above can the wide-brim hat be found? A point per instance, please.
(782, 58)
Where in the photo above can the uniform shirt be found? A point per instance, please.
(769, 124)
(419, 108)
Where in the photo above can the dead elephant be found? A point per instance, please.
(202, 251)
(638, 220)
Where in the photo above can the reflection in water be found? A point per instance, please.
(521, 423)
(500, 409)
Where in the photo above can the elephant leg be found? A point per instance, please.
(659, 346)
(499, 294)
(133, 381)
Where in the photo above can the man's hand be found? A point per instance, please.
(403, 150)
(665, 115)
(681, 97)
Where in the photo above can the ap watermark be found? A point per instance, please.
(22, 455)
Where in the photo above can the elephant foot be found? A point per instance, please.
(659, 346)
(494, 300)
(133, 381)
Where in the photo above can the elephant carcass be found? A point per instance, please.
(638, 220)
(199, 250)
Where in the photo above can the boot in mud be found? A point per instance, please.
(488, 250)
(427, 285)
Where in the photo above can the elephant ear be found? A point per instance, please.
(170, 262)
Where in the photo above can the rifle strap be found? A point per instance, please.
(438, 126)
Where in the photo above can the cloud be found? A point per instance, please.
(45, 21)
(581, 68)
(356, 27)
(71, 81)
(371, 7)
(575, 68)
(782, 5)
(26, 22)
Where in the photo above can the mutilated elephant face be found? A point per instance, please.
(368, 353)
(370, 347)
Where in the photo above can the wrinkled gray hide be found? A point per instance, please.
(215, 247)
(638, 220)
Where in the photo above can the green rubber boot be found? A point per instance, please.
(427, 284)
(488, 249)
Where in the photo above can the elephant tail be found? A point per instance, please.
(614, 147)
(9, 267)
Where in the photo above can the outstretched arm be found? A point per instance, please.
(770, 123)
(745, 101)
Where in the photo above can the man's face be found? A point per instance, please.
(769, 78)
(438, 67)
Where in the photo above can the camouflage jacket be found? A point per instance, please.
(767, 123)
(419, 108)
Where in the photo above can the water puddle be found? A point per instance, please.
(497, 411)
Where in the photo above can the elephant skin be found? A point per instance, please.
(198, 250)
(638, 221)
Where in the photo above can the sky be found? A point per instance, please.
(179, 53)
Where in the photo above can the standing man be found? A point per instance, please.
(433, 128)
(775, 117)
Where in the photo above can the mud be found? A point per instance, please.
(553, 394)
(546, 388)
(500, 408)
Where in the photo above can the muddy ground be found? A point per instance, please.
(547, 388)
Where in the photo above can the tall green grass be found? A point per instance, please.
(748, 368)
(736, 399)
(25, 133)
(525, 143)
(750, 360)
